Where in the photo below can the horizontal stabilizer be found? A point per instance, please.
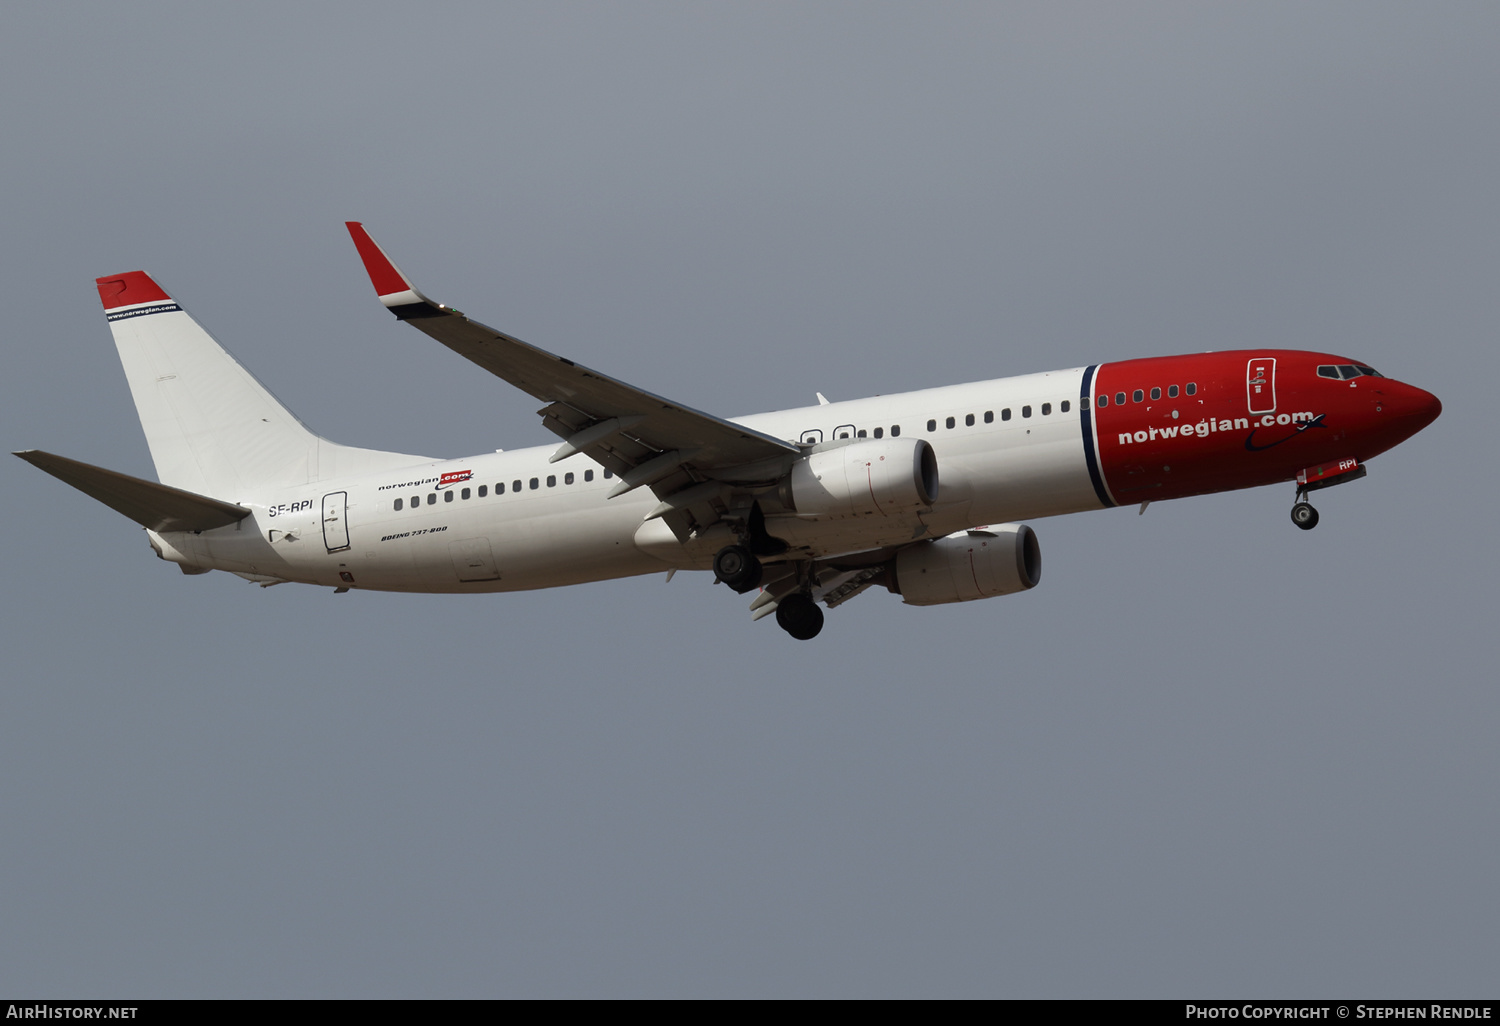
(155, 506)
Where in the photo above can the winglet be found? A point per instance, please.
(129, 289)
(394, 288)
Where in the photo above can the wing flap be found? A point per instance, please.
(156, 506)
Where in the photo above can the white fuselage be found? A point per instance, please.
(409, 530)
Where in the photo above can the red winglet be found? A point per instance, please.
(383, 274)
(128, 289)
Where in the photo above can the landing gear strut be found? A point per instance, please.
(1304, 516)
(736, 567)
(799, 616)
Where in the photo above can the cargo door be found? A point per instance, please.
(473, 560)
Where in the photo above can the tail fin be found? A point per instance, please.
(212, 428)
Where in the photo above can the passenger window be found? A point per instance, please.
(588, 475)
(1005, 413)
(535, 484)
(416, 500)
(969, 420)
(1192, 388)
(880, 432)
(932, 425)
(484, 490)
(568, 477)
(895, 430)
(432, 498)
(860, 433)
(1046, 409)
(1103, 401)
(551, 480)
(448, 495)
(608, 474)
(398, 505)
(1119, 398)
(464, 494)
(950, 422)
(1156, 393)
(1172, 392)
(1026, 411)
(515, 486)
(1083, 404)
(1137, 396)
(1064, 407)
(989, 416)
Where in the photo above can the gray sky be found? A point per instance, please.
(1211, 755)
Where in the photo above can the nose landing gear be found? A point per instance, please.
(1326, 476)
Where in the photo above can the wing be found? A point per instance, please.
(690, 459)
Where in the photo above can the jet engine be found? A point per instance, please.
(880, 477)
(967, 565)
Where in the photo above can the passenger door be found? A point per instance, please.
(1260, 385)
(336, 521)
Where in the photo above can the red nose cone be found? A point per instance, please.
(1408, 409)
(1424, 408)
(1432, 409)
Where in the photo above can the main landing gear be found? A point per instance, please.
(799, 616)
(737, 567)
(1304, 516)
(796, 612)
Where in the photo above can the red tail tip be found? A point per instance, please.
(128, 289)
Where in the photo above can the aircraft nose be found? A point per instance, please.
(1417, 408)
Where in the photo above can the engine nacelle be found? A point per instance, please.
(880, 477)
(968, 565)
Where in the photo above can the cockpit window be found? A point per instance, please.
(1345, 371)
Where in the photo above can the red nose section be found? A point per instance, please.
(1431, 408)
(1418, 408)
(1401, 410)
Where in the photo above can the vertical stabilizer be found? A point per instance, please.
(212, 428)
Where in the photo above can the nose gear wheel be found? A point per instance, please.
(1304, 516)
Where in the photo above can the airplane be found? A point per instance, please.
(923, 493)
